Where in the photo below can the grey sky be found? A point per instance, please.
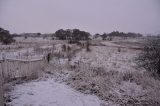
(100, 16)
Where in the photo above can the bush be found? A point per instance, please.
(5, 37)
(64, 48)
(149, 58)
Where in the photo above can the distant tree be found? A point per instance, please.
(61, 34)
(68, 34)
(115, 33)
(85, 35)
(122, 34)
(96, 35)
(38, 34)
(131, 34)
(76, 34)
(5, 37)
(104, 36)
(72, 35)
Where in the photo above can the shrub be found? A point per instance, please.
(5, 37)
(149, 58)
(64, 48)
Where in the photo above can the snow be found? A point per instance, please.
(49, 93)
(108, 58)
(111, 44)
(132, 89)
(31, 39)
(46, 46)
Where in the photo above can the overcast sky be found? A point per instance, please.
(94, 16)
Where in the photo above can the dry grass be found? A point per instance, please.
(129, 88)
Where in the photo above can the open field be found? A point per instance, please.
(79, 53)
(106, 75)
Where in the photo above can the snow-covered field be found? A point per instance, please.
(108, 58)
(106, 76)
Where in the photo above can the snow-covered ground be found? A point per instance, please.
(49, 93)
(108, 58)
(31, 39)
(107, 71)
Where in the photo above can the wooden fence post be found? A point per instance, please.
(2, 81)
(1, 92)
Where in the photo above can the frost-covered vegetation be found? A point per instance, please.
(106, 69)
(150, 56)
(110, 74)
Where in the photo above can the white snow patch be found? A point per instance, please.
(49, 93)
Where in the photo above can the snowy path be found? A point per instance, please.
(49, 93)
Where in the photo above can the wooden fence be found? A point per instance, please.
(18, 67)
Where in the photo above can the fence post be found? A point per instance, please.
(2, 81)
(1, 92)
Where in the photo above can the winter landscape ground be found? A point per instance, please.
(79, 52)
(106, 75)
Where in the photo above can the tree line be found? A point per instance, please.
(117, 34)
(73, 35)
